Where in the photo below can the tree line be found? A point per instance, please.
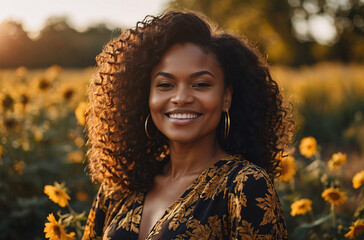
(57, 43)
(283, 30)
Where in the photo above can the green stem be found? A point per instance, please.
(75, 221)
(333, 215)
(71, 210)
(312, 218)
(292, 185)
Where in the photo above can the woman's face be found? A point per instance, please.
(187, 94)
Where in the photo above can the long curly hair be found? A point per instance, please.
(122, 155)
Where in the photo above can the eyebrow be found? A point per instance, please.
(193, 75)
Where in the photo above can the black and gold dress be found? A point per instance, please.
(232, 199)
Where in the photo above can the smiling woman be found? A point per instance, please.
(186, 126)
(188, 95)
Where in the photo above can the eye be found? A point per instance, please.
(164, 85)
(201, 84)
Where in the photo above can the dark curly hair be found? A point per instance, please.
(120, 152)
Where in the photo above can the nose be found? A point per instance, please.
(182, 95)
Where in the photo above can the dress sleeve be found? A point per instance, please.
(254, 208)
(96, 218)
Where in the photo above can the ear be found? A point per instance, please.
(228, 94)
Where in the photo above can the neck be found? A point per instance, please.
(193, 158)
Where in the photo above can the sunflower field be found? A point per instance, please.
(45, 192)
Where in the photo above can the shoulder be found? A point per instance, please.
(250, 181)
(247, 173)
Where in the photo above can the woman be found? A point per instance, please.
(185, 125)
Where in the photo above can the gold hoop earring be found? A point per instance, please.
(227, 124)
(146, 127)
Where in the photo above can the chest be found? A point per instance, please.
(158, 200)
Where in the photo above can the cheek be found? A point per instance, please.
(156, 102)
(214, 102)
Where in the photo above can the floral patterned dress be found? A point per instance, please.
(232, 199)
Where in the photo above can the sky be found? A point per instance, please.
(119, 14)
(81, 13)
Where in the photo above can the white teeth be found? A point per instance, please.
(182, 116)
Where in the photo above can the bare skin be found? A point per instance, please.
(177, 176)
(186, 81)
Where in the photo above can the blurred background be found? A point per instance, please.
(47, 54)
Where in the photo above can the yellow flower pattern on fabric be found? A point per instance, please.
(233, 199)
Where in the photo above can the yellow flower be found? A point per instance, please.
(53, 71)
(79, 141)
(57, 193)
(21, 71)
(43, 84)
(336, 161)
(358, 179)
(301, 206)
(24, 99)
(68, 94)
(75, 156)
(38, 134)
(55, 231)
(288, 168)
(80, 113)
(356, 230)
(8, 102)
(19, 167)
(308, 147)
(334, 196)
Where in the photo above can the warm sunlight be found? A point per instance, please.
(32, 14)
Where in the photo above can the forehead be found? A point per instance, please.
(187, 57)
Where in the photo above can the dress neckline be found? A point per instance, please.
(188, 191)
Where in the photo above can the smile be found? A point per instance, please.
(182, 115)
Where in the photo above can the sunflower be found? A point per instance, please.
(56, 231)
(288, 168)
(308, 147)
(80, 113)
(57, 193)
(334, 196)
(53, 71)
(75, 156)
(43, 84)
(21, 72)
(68, 94)
(336, 161)
(358, 179)
(8, 102)
(356, 230)
(301, 206)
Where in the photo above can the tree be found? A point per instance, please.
(293, 31)
(14, 44)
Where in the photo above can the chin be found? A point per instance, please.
(185, 138)
(179, 139)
